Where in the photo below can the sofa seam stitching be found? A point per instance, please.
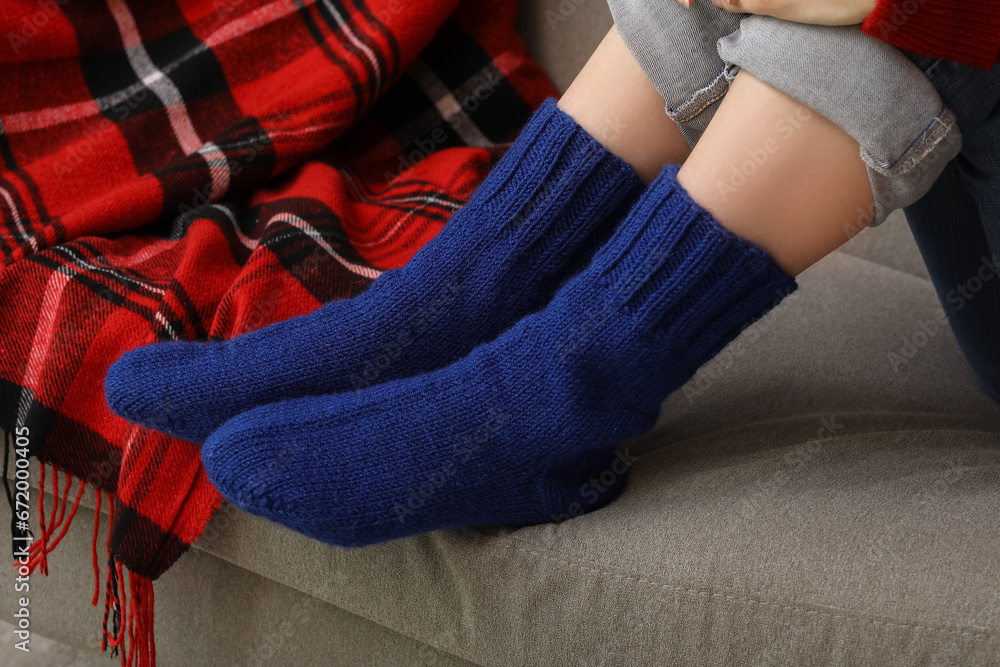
(738, 598)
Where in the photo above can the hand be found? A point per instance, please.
(820, 12)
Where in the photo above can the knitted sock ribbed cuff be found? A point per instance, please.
(682, 273)
(554, 166)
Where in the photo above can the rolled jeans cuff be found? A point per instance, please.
(868, 88)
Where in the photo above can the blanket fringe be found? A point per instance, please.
(131, 614)
(140, 621)
(131, 610)
(93, 551)
(39, 550)
(41, 520)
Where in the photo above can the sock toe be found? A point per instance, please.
(267, 465)
(151, 386)
(242, 464)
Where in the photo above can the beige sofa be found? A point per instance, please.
(806, 499)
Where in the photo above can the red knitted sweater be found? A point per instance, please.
(964, 30)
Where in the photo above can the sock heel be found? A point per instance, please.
(590, 481)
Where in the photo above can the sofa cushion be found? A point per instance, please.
(208, 613)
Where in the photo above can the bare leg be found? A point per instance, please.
(778, 174)
(770, 169)
(614, 101)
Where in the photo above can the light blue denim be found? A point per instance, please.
(870, 89)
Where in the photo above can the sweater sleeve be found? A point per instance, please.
(964, 30)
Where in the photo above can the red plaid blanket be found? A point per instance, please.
(194, 169)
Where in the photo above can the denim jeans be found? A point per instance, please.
(957, 224)
(870, 89)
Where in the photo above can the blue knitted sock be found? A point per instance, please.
(522, 430)
(500, 257)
